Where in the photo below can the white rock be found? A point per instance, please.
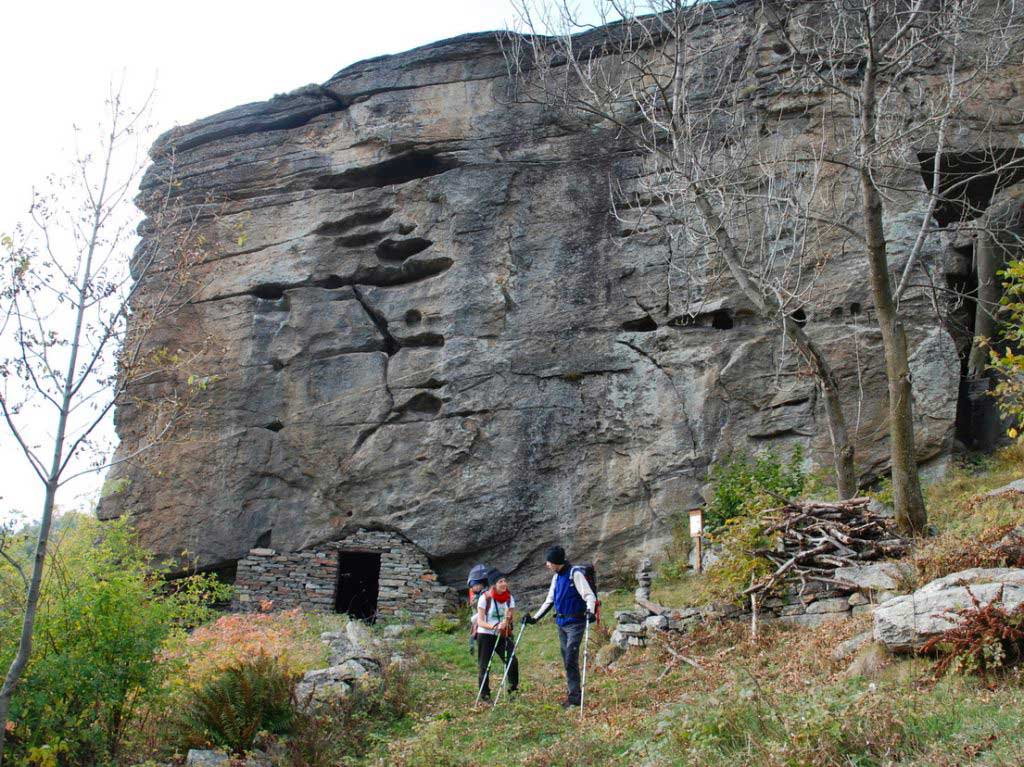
(907, 622)
(205, 758)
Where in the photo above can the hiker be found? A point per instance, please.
(494, 632)
(575, 605)
(476, 583)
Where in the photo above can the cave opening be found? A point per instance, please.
(358, 584)
(968, 183)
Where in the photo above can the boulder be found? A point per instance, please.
(421, 312)
(1017, 486)
(906, 622)
(656, 623)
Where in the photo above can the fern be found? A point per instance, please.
(231, 709)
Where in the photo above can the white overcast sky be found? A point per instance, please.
(58, 58)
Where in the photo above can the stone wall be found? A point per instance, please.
(855, 590)
(408, 587)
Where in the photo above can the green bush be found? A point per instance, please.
(229, 710)
(745, 484)
(103, 617)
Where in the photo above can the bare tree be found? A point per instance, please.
(668, 77)
(898, 79)
(880, 85)
(70, 291)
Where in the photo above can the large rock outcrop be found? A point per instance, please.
(423, 317)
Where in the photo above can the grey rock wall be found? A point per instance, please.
(423, 319)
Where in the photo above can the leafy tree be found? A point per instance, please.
(103, 618)
(69, 283)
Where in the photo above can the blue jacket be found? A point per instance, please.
(569, 605)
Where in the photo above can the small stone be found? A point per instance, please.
(198, 757)
(857, 599)
(656, 622)
(845, 649)
(834, 605)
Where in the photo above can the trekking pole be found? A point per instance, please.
(487, 672)
(583, 683)
(508, 665)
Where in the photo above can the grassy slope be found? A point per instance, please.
(780, 700)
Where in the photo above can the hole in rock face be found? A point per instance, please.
(263, 542)
(274, 426)
(424, 403)
(423, 340)
(358, 240)
(799, 317)
(361, 218)
(837, 313)
(406, 228)
(413, 317)
(854, 309)
(645, 324)
(969, 179)
(780, 48)
(277, 364)
(397, 170)
(722, 320)
(399, 250)
(270, 291)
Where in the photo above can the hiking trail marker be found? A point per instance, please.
(697, 533)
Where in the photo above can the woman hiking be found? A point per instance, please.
(494, 632)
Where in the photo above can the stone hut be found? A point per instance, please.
(368, 575)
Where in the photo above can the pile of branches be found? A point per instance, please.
(815, 538)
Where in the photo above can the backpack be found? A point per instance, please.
(590, 573)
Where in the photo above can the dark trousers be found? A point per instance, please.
(570, 637)
(501, 647)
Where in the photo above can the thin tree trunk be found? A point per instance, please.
(17, 667)
(766, 306)
(911, 515)
(987, 255)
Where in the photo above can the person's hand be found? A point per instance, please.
(591, 617)
(529, 620)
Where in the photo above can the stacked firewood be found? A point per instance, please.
(815, 538)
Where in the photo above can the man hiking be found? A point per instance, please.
(575, 605)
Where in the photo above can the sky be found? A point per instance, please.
(58, 59)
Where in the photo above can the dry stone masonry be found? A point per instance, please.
(408, 587)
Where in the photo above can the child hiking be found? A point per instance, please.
(495, 609)
(575, 606)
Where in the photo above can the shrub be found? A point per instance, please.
(103, 617)
(289, 636)
(1009, 364)
(738, 565)
(743, 485)
(233, 707)
(986, 638)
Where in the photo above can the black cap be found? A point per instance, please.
(494, 575)
(555, 555)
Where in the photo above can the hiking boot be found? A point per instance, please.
(569, 703)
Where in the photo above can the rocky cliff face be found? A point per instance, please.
(423, 318)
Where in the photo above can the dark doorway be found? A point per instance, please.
(358, 579)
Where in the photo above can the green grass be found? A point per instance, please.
(779, 701)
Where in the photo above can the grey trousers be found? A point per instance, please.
(570, 638)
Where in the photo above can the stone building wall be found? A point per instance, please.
(408, 587)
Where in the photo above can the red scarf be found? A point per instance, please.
(501, 598)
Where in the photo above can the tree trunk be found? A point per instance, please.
(17, 666)
(987, 255)
(911, 515)
(842, 448)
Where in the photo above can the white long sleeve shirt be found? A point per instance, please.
(579, 580)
